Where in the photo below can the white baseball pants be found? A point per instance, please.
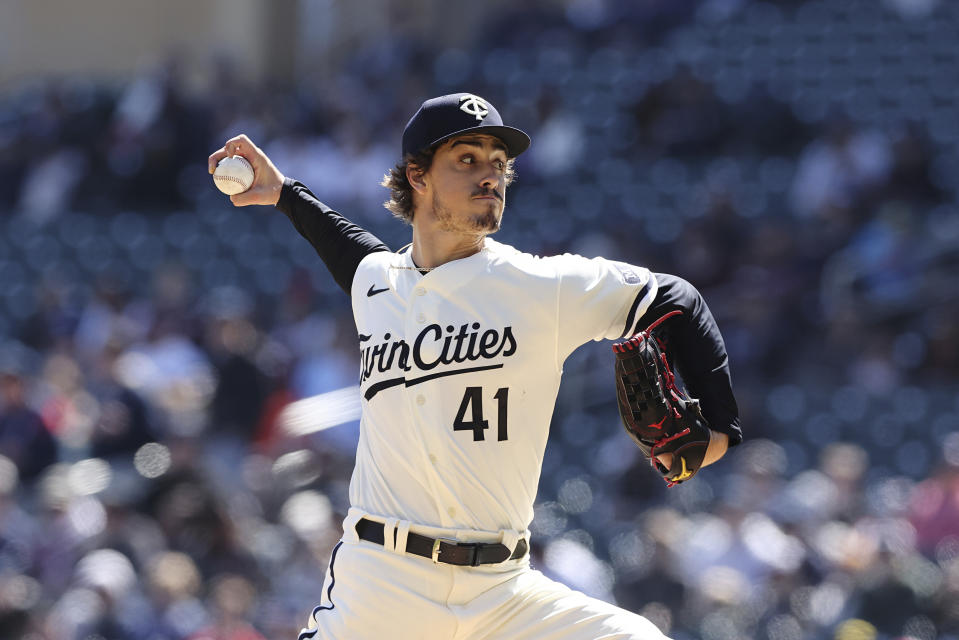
(375, 592)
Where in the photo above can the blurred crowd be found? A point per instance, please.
(152, 335)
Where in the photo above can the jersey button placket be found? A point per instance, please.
(420, 292)
(421, 308)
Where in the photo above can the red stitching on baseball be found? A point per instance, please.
(233, 178)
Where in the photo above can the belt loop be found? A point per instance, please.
(349, 525)
(511, 538)
(402, 533)
(389, 535)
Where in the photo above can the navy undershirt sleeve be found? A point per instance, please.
(340, 243)
(697, 350)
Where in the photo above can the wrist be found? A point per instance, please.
(718, 444)
(277, 190)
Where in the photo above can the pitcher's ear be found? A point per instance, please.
(416, 176)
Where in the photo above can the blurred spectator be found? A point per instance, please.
(232, 342)
(24, 437)
(835, 171)
(934, 511)
(124, 423)
(232, 600)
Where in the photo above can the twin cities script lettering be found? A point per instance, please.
(434, 346)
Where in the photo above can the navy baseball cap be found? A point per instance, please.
(439, 119)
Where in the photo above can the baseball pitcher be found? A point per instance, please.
(462, 341)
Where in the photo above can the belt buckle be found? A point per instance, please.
(435, 555)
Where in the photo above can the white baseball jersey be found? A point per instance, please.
(459, 375)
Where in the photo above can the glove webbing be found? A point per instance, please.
(669, 381)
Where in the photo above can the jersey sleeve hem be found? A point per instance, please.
(287, 193)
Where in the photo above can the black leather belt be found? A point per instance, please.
(464, 554)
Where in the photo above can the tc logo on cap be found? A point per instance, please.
(474, 105)
(439, 119)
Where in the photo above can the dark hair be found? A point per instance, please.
(400, 203)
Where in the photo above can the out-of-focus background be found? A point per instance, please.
(796, 160)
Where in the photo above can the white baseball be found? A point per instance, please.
(233, 175)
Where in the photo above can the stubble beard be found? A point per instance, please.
(487, 222)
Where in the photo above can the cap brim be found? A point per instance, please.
(516, 141)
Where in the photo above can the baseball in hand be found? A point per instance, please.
(233, 175)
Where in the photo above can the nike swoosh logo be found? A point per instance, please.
(373, 291)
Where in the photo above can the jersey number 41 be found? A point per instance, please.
(472, 405)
